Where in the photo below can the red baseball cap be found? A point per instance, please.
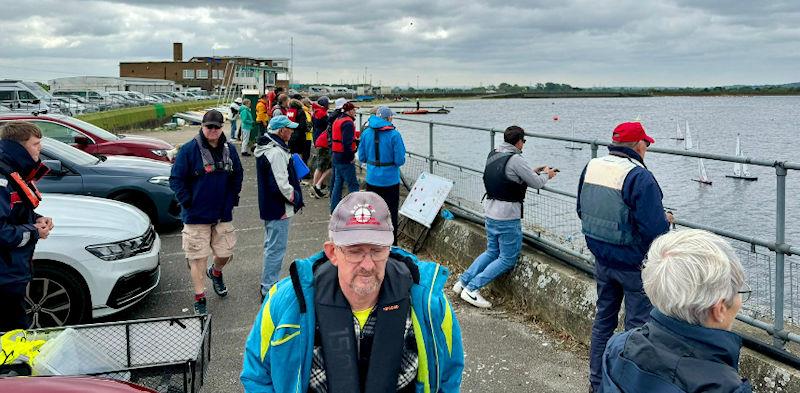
(631, 132)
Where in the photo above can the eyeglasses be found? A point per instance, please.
(646, 143)
(745, 292)
(213, 127)
(523, 140)
(357, 255)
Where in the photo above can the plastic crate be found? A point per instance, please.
(169, 355)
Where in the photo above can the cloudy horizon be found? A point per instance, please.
(443, 43)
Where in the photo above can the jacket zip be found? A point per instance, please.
(433, 332)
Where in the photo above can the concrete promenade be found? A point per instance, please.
(504, 352)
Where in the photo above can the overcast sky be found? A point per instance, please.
(445, 42)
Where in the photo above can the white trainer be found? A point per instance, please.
(474, 298)
(458, 287)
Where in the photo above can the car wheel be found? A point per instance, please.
(140, 202)
(55, 297)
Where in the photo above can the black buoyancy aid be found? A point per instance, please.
(498, 185)
(336, 134)
(337, 334)
(26, 189)
(211, 165)
(378, 162)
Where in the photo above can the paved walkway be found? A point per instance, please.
(503, 352)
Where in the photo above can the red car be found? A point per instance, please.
(92, 139)
(69, 385)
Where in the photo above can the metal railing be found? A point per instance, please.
(551, 221)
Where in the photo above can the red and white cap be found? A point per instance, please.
(361, 218)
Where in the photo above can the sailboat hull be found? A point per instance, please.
(707, 182)
(748, 178)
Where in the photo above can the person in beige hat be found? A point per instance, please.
(358, 316)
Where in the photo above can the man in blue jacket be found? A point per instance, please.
(697, 285)
(619, 204)
(279, 195)
(207, 179)
(383, 151)
(359, 316)
(20, 227)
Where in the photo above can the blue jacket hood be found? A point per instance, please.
(15, 156)
(378, 122)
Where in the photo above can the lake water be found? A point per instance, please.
(768, 127)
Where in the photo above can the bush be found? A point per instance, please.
(127, 118)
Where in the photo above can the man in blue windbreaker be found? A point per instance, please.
(384, 152)
(360, 316)
(207, 179)
(619, 204)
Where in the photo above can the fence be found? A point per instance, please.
(551, 221)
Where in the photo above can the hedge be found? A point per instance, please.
(127, 118)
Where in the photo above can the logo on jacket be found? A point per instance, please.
(392, 307)
(362, 215)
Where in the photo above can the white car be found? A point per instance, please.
(101, 257)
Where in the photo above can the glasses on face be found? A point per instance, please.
(213, 127)
(523, 140)
(357, 255)
(646, 143)
(746, 291)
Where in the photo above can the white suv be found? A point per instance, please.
(101, 257)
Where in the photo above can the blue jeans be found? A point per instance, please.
(276, 236)
(233, 129)
(503, 244)
(614, 285)
(342, 173)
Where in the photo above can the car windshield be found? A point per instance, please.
(91, 128)
(64, 152)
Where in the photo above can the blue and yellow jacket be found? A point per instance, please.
(391, 151)
(280, 346)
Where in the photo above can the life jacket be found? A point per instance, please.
(322, 141)
(291, 113)
(26, 189)
(209, 164)
(309, 133)
(377, 161)
(498, 185)
(336, 134)
(381, 363)
(17, 353)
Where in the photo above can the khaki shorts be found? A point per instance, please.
(199, 241)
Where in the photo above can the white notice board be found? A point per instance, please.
(426, 198)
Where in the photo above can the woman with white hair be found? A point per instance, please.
(696, 285)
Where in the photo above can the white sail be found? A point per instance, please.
(745, 171)
(738, 169)
(688, 138)
(678, 132)
(703, 174)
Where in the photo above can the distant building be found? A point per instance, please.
(110, 83)
(212, 73)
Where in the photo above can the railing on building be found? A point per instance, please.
(555, 225)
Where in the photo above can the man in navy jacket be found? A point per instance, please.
(207, 179)
(619, 203)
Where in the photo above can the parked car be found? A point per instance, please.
(138, 181)
(93, 139)
(101, 257)
(69, 384)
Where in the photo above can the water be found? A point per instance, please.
(768, 127)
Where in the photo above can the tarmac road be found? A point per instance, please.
(504, 353)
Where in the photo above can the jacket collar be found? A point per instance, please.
(16, 157)
(508, 148)
(627, 152)
(712, 344)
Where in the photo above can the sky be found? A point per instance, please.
(422, 43)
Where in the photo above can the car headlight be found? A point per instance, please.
(160, 180)
(159, 152)
(123, 249)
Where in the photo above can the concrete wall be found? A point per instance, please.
(563, 297)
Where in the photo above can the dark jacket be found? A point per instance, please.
(669, 355)
(279, 193)
(640, 194)
(319, 119)
(348, 136)
(18, 236)
(297, 141)
(206, 198)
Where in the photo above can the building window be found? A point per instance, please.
(217, 74)
(188, 74)
(202, 74)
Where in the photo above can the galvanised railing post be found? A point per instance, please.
(430, 147)
(594, 150)
(360, 122)
(491, 139)
(780, 238)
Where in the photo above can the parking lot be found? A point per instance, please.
(503, 353)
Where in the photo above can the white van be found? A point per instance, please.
(23, 96)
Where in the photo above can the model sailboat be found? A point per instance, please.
(740, 170)
(702, 174)
(572, 145)
(678, 133)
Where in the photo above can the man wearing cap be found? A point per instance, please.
(619, 204)
(207, 179)
(343, 148)
(384, 152)
(320, 156)
(506, 178)
(234, 108)
(358, 316)
(279, 195)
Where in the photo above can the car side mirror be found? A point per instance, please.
(82, 140)
(36, 101)
(55, 166)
